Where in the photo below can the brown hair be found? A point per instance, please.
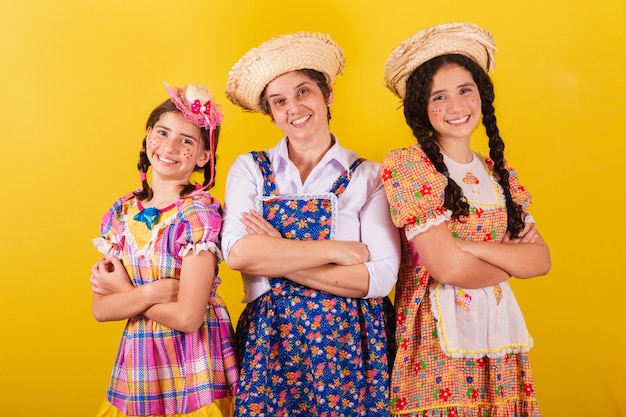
(418, 87)
(145, 193)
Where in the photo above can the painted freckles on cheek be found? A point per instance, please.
(187, 155)
(436, 111)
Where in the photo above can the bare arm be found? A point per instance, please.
(115, 298)
(449, 264)
(524, 257)
(188, 311)
(266, 253)
(339, 271)
(342, 280)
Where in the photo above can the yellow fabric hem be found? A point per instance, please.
(222, 407)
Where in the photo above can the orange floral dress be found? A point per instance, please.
(442, 369)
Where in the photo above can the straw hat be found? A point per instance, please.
(451, 38)
(259, 66)
(197, 105)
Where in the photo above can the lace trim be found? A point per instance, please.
(199, 247)
(410, 234)
(105, 247)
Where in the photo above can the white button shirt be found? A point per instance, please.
(363, 212)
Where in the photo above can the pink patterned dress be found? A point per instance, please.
(460, 352)
(158, 370)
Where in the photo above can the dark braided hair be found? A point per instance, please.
(145, 193)
(418, 87)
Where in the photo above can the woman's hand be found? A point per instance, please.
(350, 253)
(257, 225)
(344, 252)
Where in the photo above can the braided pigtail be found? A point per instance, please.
(416, 115)
(515, 221)
(210, 144)
(144, 163)
(210, 171)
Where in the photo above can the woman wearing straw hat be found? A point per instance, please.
(307, 224)
(462, 341)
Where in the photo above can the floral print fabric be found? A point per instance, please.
(307, 352)
(424, 380)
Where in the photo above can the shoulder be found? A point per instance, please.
(121, 205)
(202, 201)
(115, 216)
(413, 153)
(409, 162)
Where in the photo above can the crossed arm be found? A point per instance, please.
(180, 305)
(327, 265)
(470, 264)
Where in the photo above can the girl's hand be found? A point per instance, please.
(528, 235)
(108, 276)
(164, 290)
(257, 225)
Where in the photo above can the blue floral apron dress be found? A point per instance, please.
(306, 352)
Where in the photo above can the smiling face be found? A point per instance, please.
(454, 105)
(175, 148)
(298, 106)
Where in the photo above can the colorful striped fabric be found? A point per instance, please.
(158, 370)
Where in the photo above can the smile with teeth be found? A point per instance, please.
(166, 160)
(458, 121)
(301, 120)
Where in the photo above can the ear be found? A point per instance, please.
(203, 158)
(331, 98)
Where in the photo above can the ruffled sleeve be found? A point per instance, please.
(198, 225)
(415, 190)
(111, 240)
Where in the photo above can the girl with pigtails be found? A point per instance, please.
(159, 271)
(462, 341)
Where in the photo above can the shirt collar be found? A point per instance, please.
(335, 153)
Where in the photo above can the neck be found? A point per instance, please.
(164, 193)
(458, 151)
(305, 156)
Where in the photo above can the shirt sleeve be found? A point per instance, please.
(382, 239)
(198, 225)
(415, 190)
(111, 240)
(240, 195)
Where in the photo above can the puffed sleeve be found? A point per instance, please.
(198, 225)
(111, 240)
(415, 190)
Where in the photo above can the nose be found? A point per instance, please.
(169, 144)
(292, 107)
(454, 105)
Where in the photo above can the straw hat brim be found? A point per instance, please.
(451, 38)
(259, 66)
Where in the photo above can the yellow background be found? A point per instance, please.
(79, 78)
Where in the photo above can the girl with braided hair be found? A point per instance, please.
(159, 272)
(462, 340)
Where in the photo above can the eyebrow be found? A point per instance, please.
(169, 130)
(297, 87)
(468, 84)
